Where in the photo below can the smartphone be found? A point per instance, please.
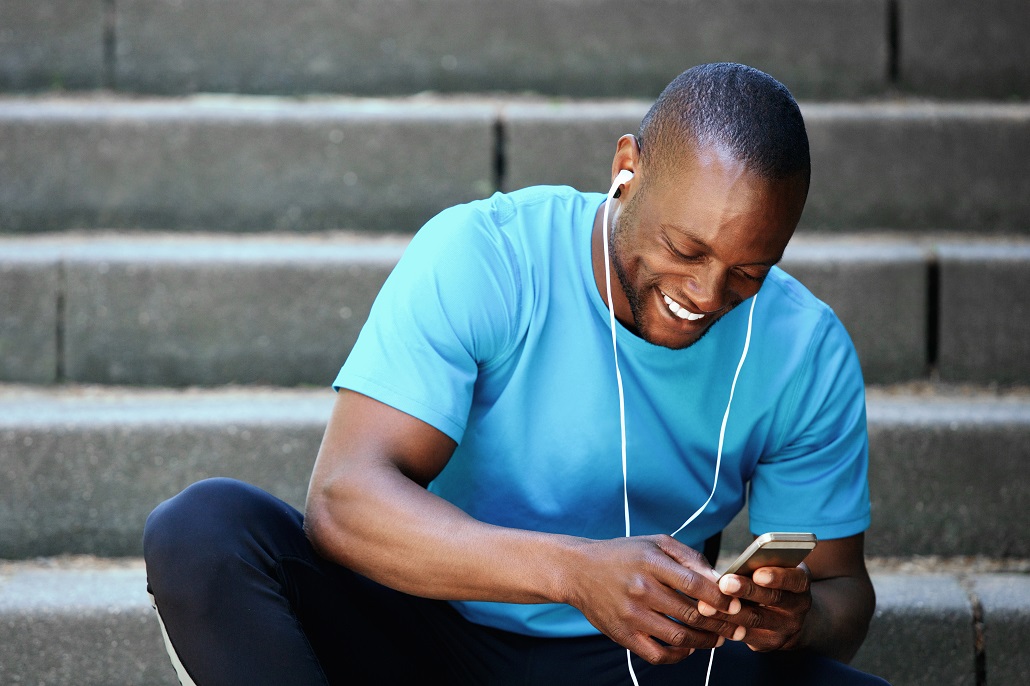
(774, 549)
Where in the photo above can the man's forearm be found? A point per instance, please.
(395, 532)
(839, 619)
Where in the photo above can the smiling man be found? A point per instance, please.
(517, 487)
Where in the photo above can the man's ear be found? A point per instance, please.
(627, 155)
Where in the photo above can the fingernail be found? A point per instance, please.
(705, 609)
(729, 584)
(763, 577)
(734, 607)
(739, 634)
(722, 639)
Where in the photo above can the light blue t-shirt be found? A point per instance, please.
(491, 329)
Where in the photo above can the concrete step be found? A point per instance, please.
(82, 467)
(186, 310)
(254, 164)
(87, 621)
(180, 310)
(843, 48)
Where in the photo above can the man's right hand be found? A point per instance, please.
(642, 592)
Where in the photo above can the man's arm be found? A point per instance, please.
(824, 606)
(368, 509)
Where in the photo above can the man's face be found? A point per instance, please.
(691, 246)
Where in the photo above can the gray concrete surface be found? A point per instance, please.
(1005, 605)
(209, 312)
(83, 622)
(879, 289)
(566, 143)
(48, 44)
(876, 166)
(985, 312)
(947, 474)
(79, 624)
(964, 48)
(818, 47)
(922, 632)
(30, 290)
(207, 309)
(260, 164)
(928, 166)
(215, 163)
(83, 468)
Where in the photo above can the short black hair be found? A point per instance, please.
(734, 106)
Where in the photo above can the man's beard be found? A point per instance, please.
(636, 307)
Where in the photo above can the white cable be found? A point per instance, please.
(615, 352)
(618, 379)
(711, 659)
(725, 418)
(622, 410)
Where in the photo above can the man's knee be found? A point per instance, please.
(180, 523)
(207, 528)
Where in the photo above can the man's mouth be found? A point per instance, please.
(681, 311)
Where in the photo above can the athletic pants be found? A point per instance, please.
(245, 600)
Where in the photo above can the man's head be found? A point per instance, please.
(742, 111)
(721, 172)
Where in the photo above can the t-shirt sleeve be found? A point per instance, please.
(817, 480)
(449, 306)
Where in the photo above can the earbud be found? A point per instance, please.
(622, 177)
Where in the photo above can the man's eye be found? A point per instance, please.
(685, 256)
(752, 274)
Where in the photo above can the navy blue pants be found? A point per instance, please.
(246, 600)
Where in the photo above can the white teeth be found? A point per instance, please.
(680, 311)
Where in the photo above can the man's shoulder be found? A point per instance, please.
(799, 315)
(536, 202)
(794, 296)
(534, 210)
(793, 291)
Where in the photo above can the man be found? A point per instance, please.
(494, 494)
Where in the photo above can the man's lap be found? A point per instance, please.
(359, 630)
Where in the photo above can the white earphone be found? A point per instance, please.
(622, 177)
(615, 191)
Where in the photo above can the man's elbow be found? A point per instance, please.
(320, 521)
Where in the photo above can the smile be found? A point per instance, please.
(681, 311)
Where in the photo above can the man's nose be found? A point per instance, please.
(707, 289)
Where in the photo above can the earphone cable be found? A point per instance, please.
(618, 380)
(622, 409)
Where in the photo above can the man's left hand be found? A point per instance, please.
(777, 602)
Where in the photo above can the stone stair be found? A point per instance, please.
(199, 200)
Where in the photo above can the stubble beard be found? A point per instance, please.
(637, 308)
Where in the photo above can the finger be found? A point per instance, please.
(793, 579)
(694, 579)
(776, 587)
(689, 613)
(670, 648)
(747, 590)
(764, 640)
(686, 556)
(770, 627)
(654, 652)
(642, 644)
(761, 641)
(683, 636)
